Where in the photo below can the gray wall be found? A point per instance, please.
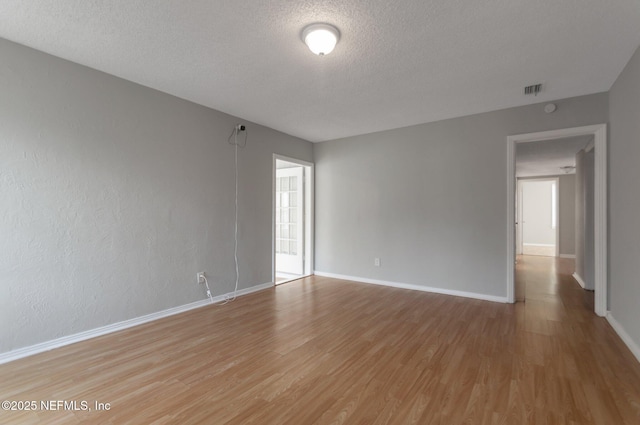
(429, 200)
(114, 196)
(624, 199)
(536, 213)
(585, 238)
(567, 213)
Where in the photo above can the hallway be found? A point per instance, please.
(577, 348)
(549, 280)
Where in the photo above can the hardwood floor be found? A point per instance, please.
(325, 351)
(547, 251)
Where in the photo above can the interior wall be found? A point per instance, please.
(585, 237)
(114, 195)
(567, 214)
(428, 200)
(624, 199)
(537, 211)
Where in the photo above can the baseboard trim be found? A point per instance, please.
(414, 287)
(539, 244)
(577, 277)
(568, 256)
(624, 336)
(115, 327)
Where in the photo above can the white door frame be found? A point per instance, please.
(599, 131)
(520, 227)
(309, 224)
(293, 264)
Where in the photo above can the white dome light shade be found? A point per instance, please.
(320, 38)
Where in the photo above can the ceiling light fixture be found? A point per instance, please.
(320, 38)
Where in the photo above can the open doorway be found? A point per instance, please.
(599, 227)
(292, 219)
(538, 222)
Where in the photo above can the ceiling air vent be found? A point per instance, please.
(533, 89)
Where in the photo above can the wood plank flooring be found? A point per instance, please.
(325, 351)
(547, 251)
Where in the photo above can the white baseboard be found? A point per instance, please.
(568, 256)
(114, 327)
(246, 291)
(577, 277)
(635, 349)
(539, 244)
(415, 287)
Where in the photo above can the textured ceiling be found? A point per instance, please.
(397, 64)
(536, 159)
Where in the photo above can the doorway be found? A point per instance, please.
(537, 224)
(599, 133)
(292, 219)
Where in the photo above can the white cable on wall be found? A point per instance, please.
(236, 144)
(206, 282)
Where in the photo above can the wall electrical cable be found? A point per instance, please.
(235, 230)
(206, 282)
(236, 144)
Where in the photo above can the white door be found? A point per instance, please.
(539, 214)
(290, 220)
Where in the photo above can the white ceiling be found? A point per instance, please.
(536, 159)
(397, 64)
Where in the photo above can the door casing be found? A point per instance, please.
(309, 220)
(599, 131)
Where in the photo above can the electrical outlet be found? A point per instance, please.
(376, 262)
(200, 277)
